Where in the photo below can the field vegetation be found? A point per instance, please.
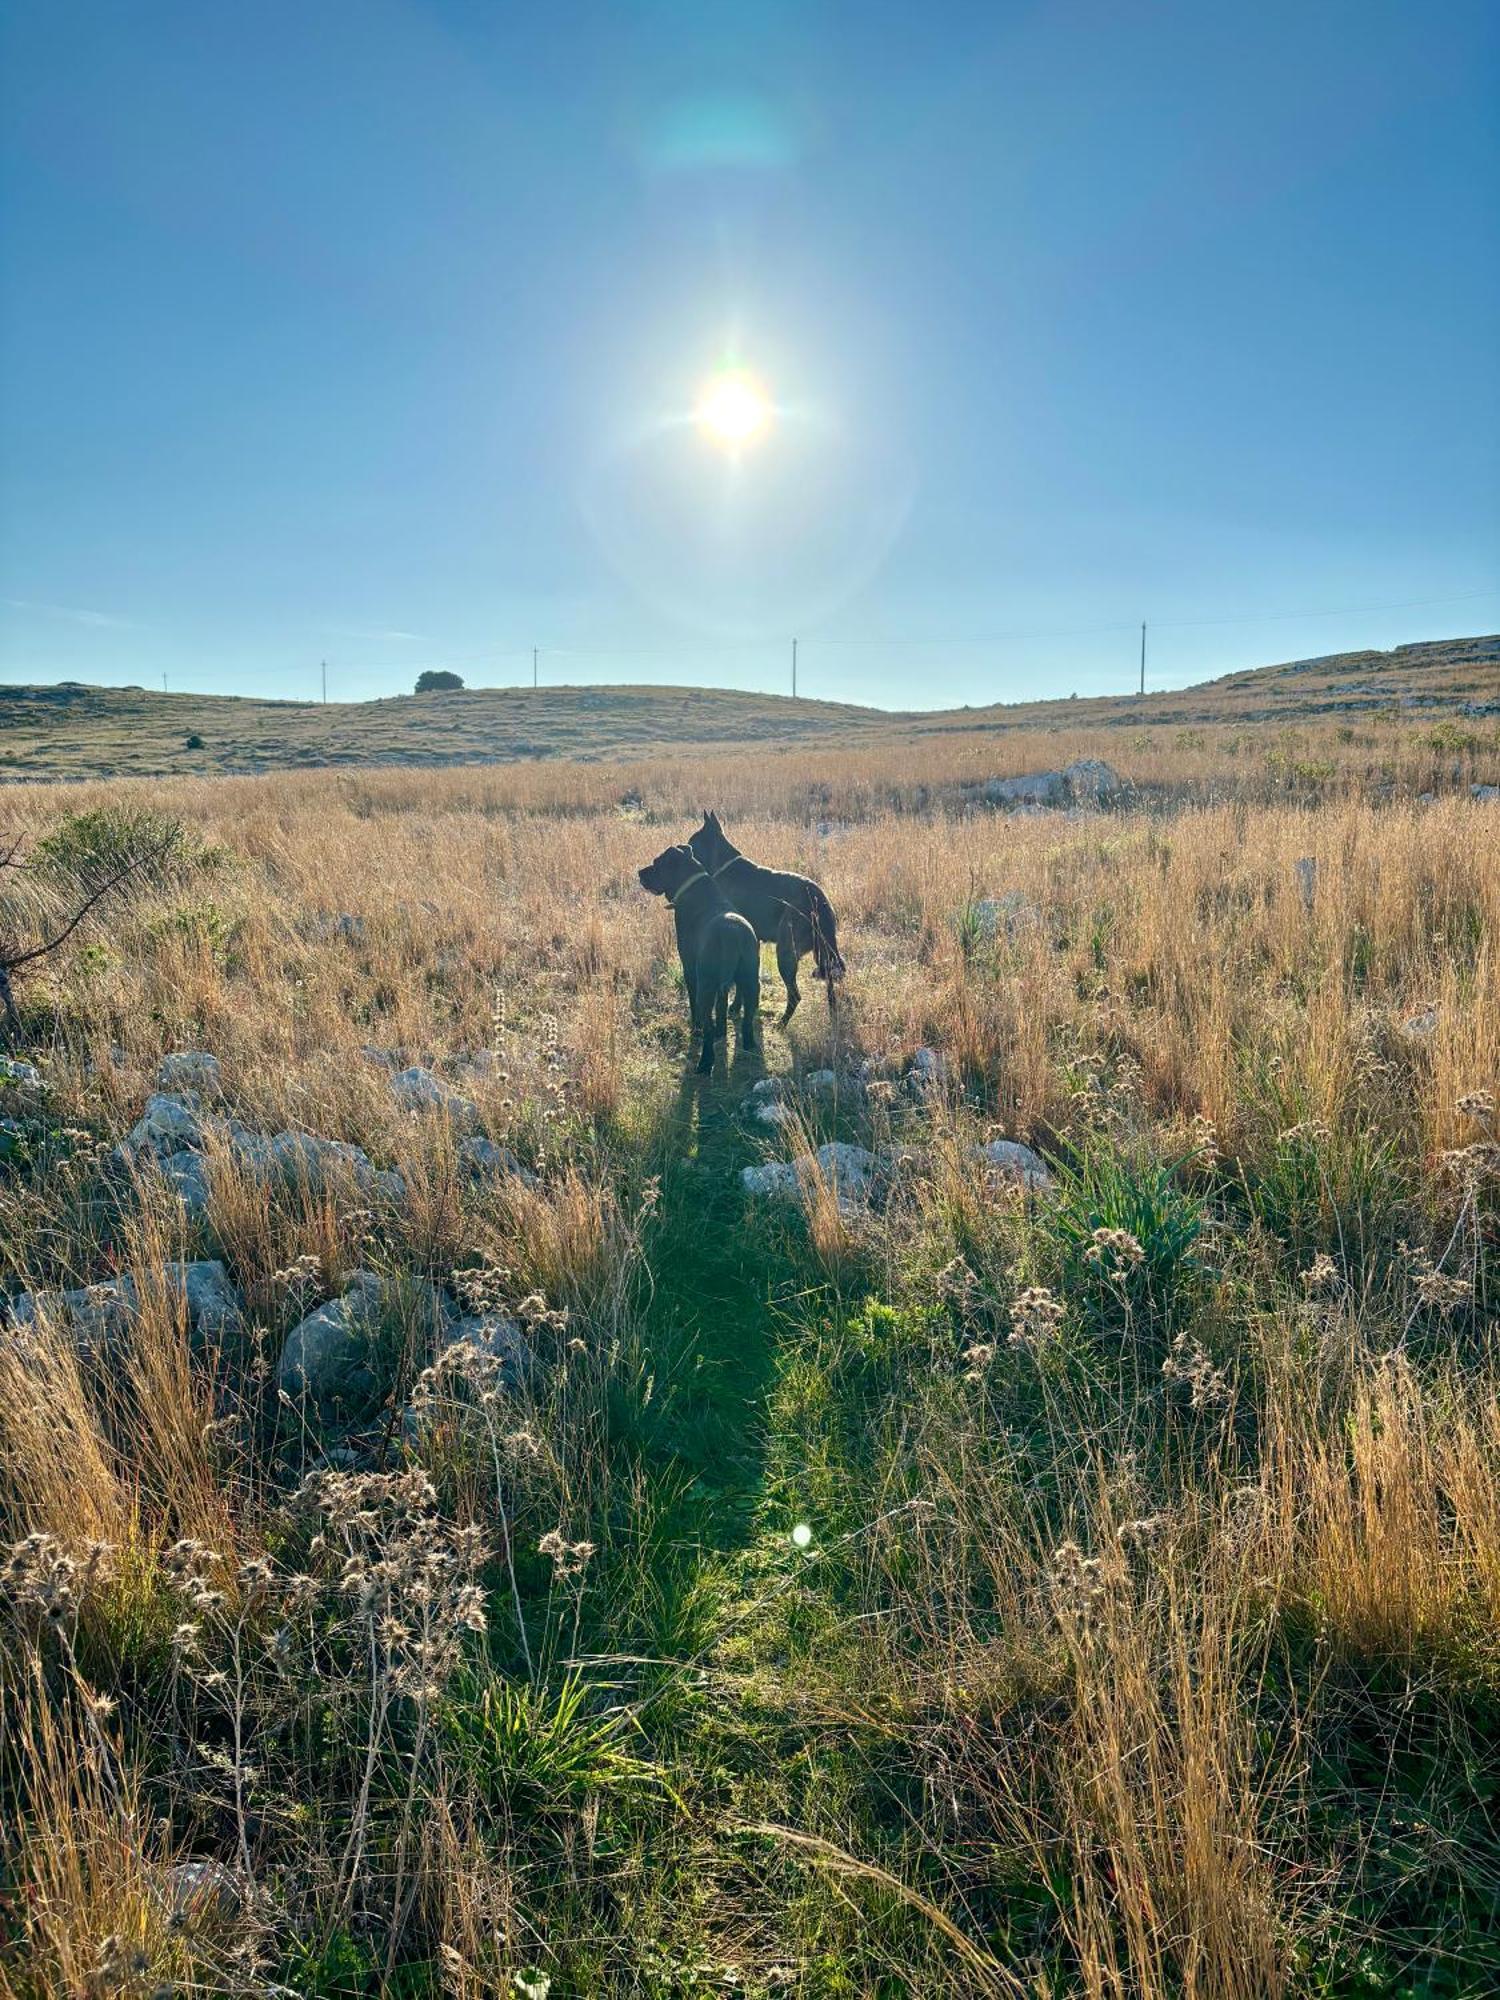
(945, 1583)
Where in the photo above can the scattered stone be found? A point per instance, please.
(1093, 782)
(771, 1111)
(326, 926)
(99, 1316)
(419, 1090)
(1417, 1027)
(331, 1359)
(496, 1335)
(13, 1070)
(1484, 792)
(482, 1159)
(1037, 788)
(1011, 1157)
(189, 1177)
(190, 1070)
(1306, 872)
(774, 1178)
(849, 1170)
(925, 1073)
(820, 1079)
(989, 915)
(202, 1892)
(171, 1123)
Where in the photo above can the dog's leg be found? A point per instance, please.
(787, 956)
(706, 1059)
(749, 998)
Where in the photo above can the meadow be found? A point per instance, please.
(941, 1582)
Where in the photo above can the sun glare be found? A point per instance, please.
(733, 409)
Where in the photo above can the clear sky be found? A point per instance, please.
(373, 331)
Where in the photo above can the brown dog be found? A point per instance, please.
(719, 950)
(789, 911)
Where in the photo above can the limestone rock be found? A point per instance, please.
(331, 1359)
(172, 1122)
(482, 1159)
(99, 1316)
(1091, 781)
(1011, 1157)
(417, 1089)
(190, 1070)
(1037, 788)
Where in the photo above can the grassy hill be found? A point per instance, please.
(72, 731)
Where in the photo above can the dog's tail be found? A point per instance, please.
(827, 959)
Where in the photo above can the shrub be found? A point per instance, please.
(1126, 1231)
(437, 680)
(86, 848)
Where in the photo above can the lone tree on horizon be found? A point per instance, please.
(438, 680)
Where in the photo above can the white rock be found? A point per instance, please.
(496, 1335)
(1417, 1027)
(170, 1123)
(821, 1079)
(775, 1178)
(98, 1316)
(1037, 788)
(192, 1070)
(1090, 780)
(13, 1070)
(189, 1177)
(330, 1358)
(484, 1160)
(418, 1089)
(925, 1072)
(1484, 792)
(202, 1891)
(848, 1170)
(1011, 1157)
(989, 915)
(768, 1086)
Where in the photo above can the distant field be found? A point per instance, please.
(72, 731)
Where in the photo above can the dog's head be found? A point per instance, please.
(710, 843)
(668, 871)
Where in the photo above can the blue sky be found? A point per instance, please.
(372, 331)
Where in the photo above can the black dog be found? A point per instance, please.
(789, 911)
(719, 949)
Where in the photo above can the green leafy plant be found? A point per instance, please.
(88, 847)
(1113, 1196)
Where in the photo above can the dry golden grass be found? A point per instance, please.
(1052, 1709)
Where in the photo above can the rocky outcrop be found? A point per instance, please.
(418, 1090)
(1089, 781)
(332, 1360)
(98, 1317)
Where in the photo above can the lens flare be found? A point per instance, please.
(734, 409)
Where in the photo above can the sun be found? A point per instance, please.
(734, 409)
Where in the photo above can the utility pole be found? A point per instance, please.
(794, 670)
(1143, 656)
(325, 684)
(533, 666)
(164, 681)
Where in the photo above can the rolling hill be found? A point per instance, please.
(70, 730)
